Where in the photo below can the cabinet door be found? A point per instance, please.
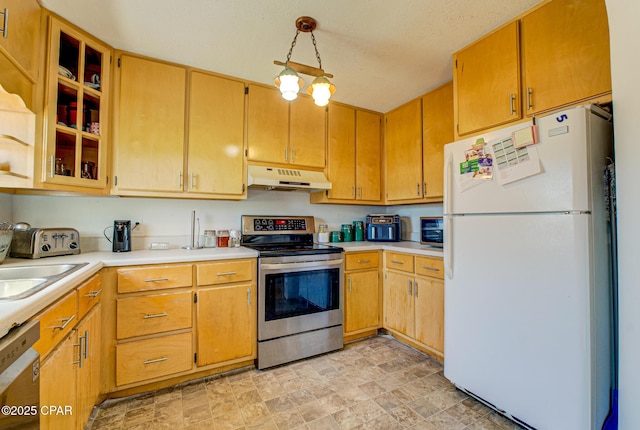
(77, 103)
(404, 152)
(341, 160)
(565, 48)
(307, 133)
(216, 135)
(267, 125)
(361, 301)
(487, 81)
(22, 40)
(437, 131)
(429, 308)
(88, 333)
(399, 303)
(148, 153)
(58, 385)
(226, 323)
(368, 156)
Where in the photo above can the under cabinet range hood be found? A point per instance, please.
(284, 179)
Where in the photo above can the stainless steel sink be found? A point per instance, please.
(18, 282)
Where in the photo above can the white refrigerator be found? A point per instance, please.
(527, 272)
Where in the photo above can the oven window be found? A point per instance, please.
(301, 293)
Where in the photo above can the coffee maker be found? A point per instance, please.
(121, 236)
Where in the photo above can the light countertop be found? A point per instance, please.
(16, 312)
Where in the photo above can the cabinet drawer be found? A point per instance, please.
(364, 260)
(89, 294)
(430, 266)
(224, 272)
(154, 278)
(137, 316)
(56, 322)
(152, 358)
(399, 261)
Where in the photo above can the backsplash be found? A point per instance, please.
(169, 220)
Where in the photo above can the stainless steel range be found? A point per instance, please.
(300, 291)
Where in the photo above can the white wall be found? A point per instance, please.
(625, 64)
(6, 207)
(169, 219)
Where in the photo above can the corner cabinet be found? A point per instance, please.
(74, 155)
(404, 152)
(354, 157)
(161, 151)
(286, 133)
(414, 301)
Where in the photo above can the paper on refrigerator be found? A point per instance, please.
(511, 163)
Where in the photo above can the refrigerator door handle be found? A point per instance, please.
(448, 192)
(448, 249)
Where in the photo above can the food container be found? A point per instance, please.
(347, 232)
(6, 234)
(209, 239)
(323, 233)
(337, 236)
(223, 238)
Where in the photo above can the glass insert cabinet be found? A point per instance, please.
(77, 106)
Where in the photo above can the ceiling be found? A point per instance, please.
(382, 53)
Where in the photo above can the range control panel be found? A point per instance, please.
(277, 224)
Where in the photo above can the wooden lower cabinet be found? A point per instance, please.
(152, 358)
(170, 323)
(70, 376)
(362, 294)
(226, 317)
(413, 297)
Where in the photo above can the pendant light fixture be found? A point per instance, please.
(289, 82)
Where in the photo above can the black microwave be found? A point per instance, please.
(431, 231)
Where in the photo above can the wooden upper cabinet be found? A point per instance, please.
(21, 39)
(282, 132)
(216, 135)
(149, 145)
(341, 151)
(368, 156)
(437, 131)
(487, 81)
(307, 133)
(77, 106)
(267, 125)
(404, 152)
(565, 53)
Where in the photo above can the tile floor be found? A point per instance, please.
(377, 383)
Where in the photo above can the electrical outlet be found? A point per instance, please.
(137, 229)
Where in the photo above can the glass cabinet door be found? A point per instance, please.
(77, 109)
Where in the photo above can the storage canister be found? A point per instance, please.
(347, 232)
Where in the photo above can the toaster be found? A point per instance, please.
(44, 242)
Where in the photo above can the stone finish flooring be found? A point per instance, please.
(377, 383)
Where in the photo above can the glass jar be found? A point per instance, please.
(323, 233)
(234, 238)
(209, 240)
(223, 238)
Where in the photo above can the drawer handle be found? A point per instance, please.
(163, 314)
(364, 261)
(155, 360)
(65, 323)
(397, 262)
(156, 279)
(93, 294)
(435, 269)
(226, 273)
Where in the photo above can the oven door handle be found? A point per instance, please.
(303, 265)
